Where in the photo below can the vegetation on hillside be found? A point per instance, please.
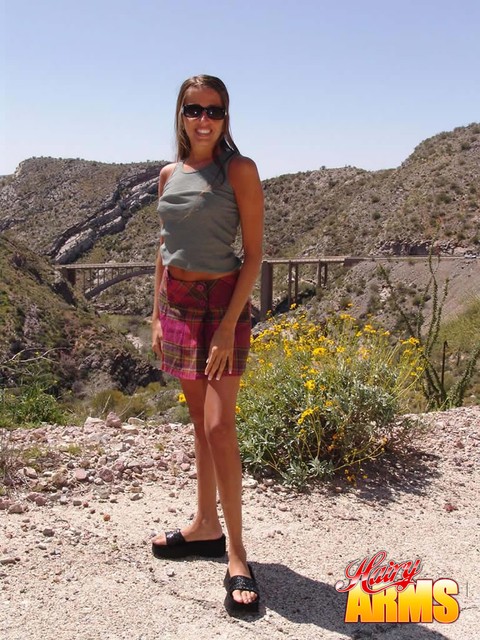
(51, 339)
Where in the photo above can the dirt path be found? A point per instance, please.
(80, 567)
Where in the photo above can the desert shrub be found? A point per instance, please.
(29, 406)
(318, 399)
(123, 405)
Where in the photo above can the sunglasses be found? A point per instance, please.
(196, 110)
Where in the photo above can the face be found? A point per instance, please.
(203, 131)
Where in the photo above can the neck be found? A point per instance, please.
(201, 156)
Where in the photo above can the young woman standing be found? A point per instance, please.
(201, 316)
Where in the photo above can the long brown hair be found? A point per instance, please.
(225, 142)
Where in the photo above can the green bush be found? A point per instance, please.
(29, 407)
(315, 400)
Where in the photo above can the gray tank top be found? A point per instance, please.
(200, 219)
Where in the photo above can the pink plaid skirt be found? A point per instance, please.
(190, 313)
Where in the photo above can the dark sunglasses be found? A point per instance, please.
(196, 110)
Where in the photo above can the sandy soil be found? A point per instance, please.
(83, 569)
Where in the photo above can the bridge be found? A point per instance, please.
(95, 278)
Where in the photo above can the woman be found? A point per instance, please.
(201, 315)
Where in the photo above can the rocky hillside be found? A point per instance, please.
(70, 204)
(433, 195)
(45, 328)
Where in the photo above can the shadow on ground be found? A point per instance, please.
(305, 601)
(410, 471)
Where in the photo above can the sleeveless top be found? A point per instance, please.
(200, 219)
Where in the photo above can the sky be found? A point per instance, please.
(312, 83)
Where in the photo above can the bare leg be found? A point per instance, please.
(220, 430)
(206, 525)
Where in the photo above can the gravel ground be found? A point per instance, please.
(77, 563)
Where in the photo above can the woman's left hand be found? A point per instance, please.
(220, 357)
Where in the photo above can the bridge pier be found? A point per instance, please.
(266, 279)
(70, 275)
(266, 289)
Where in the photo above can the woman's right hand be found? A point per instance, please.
(157, 337)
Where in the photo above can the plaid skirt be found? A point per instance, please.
(190, 313)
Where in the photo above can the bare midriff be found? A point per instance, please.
(178, 273)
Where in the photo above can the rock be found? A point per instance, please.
(449, 507)
(134, 489)
(80, 474)
(40, 500)
(136, 496)
(136, 422)
(130, 430)
(4, 504)
(113, 421)
(30, 472)
(48, 532)
(181, 457)
(119, 465)
(106, 474)
(91, 424)
(17, 507)
(8, 560)
(249, 483)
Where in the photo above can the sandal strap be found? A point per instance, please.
(174, 538)
(242, 583)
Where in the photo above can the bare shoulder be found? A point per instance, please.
(165, 174)
(167, 170)
(242, 171)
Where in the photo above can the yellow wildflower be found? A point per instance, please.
(181, 397)
(310, 385)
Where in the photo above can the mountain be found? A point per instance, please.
(433, 195)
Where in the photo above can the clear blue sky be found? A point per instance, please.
(312, 82)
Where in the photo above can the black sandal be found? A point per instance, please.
(178, 547)
(242, 583)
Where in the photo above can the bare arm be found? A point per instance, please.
(248, 190)
(165, 174)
